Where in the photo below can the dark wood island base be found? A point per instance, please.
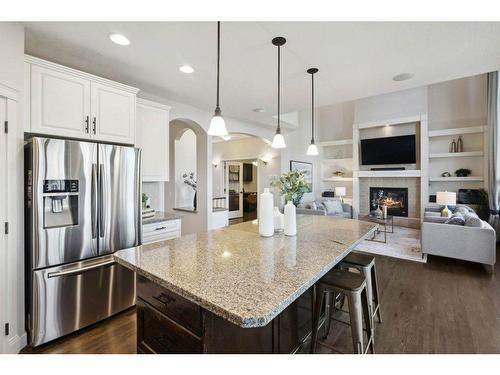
(169, 323)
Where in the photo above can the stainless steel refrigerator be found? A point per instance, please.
(82, 204)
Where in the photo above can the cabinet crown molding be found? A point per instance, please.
(64, 69)
(151, 103)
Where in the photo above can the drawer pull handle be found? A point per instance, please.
(164, 299)
(160, 228)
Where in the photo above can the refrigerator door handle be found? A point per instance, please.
(80, 270)
(94, 200)
(101, 200)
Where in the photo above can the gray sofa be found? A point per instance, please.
(474, 240)
(318, 207)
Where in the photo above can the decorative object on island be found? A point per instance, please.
(290, 219)
(339, 173)
(279, 220)
(292, 185)
(340, 191)
(376, 201)
(312, 150)
(279, 140)
(446, 174)
(266, 215)
(446, 198)
(217, 124)
(462, 172)
(191, 181)
(453, 146)
(460, 144)
(306, 168)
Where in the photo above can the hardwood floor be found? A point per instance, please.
(444, 306)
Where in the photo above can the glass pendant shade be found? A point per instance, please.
(312, 150)
(278, 141)
(217, 126)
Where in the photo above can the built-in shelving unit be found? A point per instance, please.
(473, 157)
(337, 156)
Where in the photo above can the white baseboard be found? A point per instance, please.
(16, 343)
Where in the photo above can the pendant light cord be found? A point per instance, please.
(278, 130)
(312, 107)
(218, 63)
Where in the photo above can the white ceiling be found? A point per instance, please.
(355, 60)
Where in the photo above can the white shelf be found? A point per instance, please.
(456, 179)
(455, 154)
(340, 160)
(335, 178)
(404, 173)
(457, 131)
(340, 142)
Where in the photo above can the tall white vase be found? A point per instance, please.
(266, 214)
(290, 219)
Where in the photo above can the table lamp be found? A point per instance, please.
(446, 198)
(340, 191)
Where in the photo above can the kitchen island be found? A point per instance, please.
(232, 291)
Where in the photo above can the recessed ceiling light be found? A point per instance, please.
(120, 39)
(186, 69)
(259, 110)
(402, 77)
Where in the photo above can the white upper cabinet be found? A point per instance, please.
(60, 103)
(113, 114)
(69, 103)
(153, 137)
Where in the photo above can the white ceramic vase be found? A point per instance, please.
(266, 214)
(290, 219)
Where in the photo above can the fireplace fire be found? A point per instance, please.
(396, 200)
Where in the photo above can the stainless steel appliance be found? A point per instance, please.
(82, 204)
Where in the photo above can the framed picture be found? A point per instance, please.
(305, 167)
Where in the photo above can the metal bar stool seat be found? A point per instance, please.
(365, 264)
(353, 286)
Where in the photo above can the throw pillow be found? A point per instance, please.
(313, 206)
(333, 207)
(456, 219)
(472, 220)
(462, 210)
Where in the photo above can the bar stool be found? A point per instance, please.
(353, 286)
(366, 265)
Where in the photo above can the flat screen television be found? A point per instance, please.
(389, 150)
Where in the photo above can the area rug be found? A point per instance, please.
(404, 243)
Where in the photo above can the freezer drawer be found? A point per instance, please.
(70, 297)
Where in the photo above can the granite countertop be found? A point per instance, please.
(242, 277)
(159, 217)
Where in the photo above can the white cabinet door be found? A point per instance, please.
(60, 103)
(152, 136)
(113, 114)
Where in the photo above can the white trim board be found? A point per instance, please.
(457, 131)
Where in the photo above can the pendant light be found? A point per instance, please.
(217, 125)
(278, 140)
(312, 149)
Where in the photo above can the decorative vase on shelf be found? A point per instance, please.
(378, 211)
(453, 146)
(279, 220)
(460, 144)
(266, 214)
(290, 219)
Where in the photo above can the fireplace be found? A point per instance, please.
(396, 200)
